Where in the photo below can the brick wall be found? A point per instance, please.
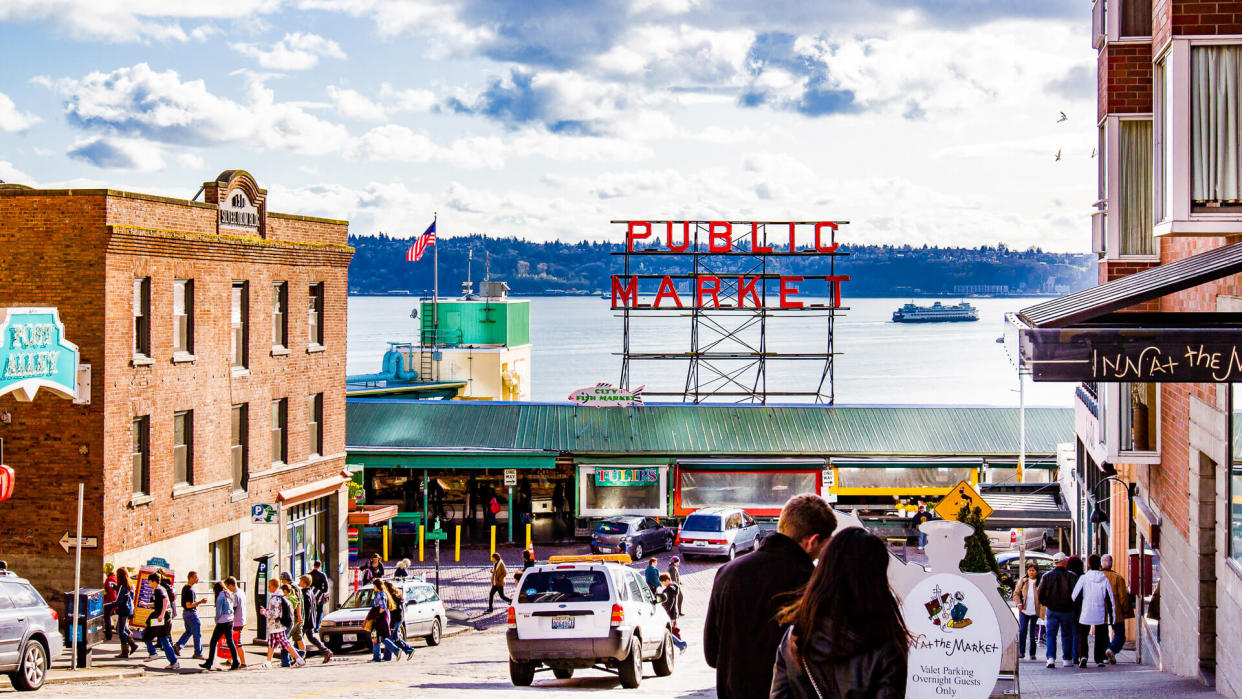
(1124, 79)
(80, 253)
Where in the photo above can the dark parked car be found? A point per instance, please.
(636, 536)
(29, 633)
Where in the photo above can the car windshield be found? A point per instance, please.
(612, 528)
(564, 586)
(702, 523)
(360, 599)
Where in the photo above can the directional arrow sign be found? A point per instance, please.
(88, 542)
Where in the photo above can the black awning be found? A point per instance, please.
(1135, 288)
(1028, 505)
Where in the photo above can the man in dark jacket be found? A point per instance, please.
(1056, 593)
(319, 592)
(740, 634)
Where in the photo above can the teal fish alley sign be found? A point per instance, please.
(34, 354)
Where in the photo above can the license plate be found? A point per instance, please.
(605, 549)
(700, 543)
(562, 622)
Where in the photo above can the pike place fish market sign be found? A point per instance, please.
(34, 354)
(1169, 355)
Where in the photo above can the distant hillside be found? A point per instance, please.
(530, 268)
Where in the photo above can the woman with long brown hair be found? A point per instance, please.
(846, 636)
(124, 611)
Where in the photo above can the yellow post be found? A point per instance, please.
(384, 535)
(420, 543)
(457, 546)
(493, 540)
(529, 544)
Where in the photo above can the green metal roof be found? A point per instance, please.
(703, 430)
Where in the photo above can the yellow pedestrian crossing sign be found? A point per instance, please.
(961, 495)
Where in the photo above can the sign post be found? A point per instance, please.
(437, 535)
(77, 582)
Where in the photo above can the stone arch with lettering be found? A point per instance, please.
(240, 202)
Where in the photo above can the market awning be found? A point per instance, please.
(751, 464)
(1083, 337)
(1017, 505)
(382, 457)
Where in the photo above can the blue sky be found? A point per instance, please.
(920, 121)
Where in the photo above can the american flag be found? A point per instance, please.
(415, 253)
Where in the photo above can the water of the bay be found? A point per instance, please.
(880, 362)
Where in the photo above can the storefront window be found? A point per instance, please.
(748, 489)
(1235, 476)
(621, 491)
(901, 477)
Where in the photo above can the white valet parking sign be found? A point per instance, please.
(961, 625)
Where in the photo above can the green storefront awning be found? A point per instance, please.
(907, 463)
(433, 460)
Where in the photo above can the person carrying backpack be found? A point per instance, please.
(279, 615)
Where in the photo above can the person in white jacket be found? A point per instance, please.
(1096, 594)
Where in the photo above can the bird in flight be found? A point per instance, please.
(1058, 158)
(1092, 152)
(1063, 118)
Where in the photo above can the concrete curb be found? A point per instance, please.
(93, 675)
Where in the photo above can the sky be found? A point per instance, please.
(919, 121)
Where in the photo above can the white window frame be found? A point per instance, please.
(1111, 162)
(1172, 121)
(1112, 21)
(1110, 393)
(586, 472)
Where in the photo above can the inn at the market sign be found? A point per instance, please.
(34, 354)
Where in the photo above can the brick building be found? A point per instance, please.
(1156, 471)
(215, 335)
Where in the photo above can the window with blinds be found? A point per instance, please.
(314, 314)
(240, 325)
(314, 424)
(280, 321)
(280, 423)
(142, 316)
(140, 454)
(183, 316)
(183, 447)
(240, 427)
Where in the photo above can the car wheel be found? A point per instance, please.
(522, 674)
(433, 638)
(334, 643)
(33, 668)
(663, 665)
(732, 554)
(668, 544)
(638, 552)
(631, 670)
(562, 673)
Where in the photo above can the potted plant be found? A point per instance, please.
(357, 495)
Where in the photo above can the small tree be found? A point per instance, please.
(979, 557)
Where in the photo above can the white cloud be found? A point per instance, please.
(353, 105)
(411, 100)
(296, 51)
(398, 143)
(140, 103)
(13, 120)
(127, 20)
(11, 175)
(118, 154)
(190, 161)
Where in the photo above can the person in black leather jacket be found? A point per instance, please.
(846, 636)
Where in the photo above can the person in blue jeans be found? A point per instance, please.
(189, 615)
(1075, 565)
(159, 626)
(1056, 593)
(1124, 609)
(1026, 598)
(381, 631)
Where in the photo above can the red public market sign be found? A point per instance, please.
(726, 289)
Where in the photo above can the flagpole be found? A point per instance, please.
(435, 295)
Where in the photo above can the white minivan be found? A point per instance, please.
(587, 613)
(719, 531)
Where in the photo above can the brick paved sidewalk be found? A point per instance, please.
(1125, 679)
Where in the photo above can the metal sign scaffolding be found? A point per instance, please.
(750, 283)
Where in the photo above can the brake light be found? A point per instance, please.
(55, 616)
(684, 541)
(618, 615)
(511, 618)
(718, 542)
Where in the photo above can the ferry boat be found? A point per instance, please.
(935, 313)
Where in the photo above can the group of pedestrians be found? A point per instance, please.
(779, 625)
(1076, 604)
(293, 614)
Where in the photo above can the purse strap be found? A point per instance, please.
(809, 676)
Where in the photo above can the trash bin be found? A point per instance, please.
(89, 631)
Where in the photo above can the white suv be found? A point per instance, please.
(718, 531)
(587, 613)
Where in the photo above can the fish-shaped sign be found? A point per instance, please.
(605, 395)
